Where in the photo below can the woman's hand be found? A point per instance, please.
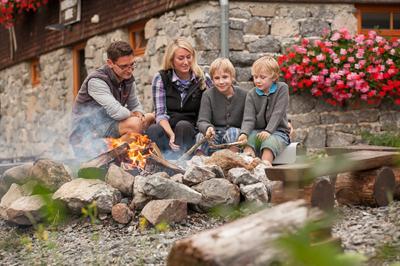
(172, 144)
(210, 133)
(263, 135)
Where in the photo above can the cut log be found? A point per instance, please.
(156, 164)
(321, 193)
(345, 149)
(247, 241)
(396, 172)
(107, 157)
(354, 161)
(369, 188)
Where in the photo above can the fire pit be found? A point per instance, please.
(135, 154)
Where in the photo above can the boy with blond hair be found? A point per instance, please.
(221, 109)
(265, 123)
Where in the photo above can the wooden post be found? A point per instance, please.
(370, 188)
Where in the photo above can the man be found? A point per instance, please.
(107, 105)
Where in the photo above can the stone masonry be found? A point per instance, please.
(36, 120)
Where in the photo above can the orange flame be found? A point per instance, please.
(139, 149)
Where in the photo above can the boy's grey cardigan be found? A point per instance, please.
(218, 111)
(266, 112)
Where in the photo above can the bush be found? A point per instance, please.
(339, 68)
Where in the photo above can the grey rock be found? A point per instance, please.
(256, 26)
(168, 211)
(244, 58)
(236, 40)
(26, 210)
(301, 104)
(195, 175)
(241, 176)
(316, 138)
(207, 39)
(140, 199)
(163, 188)
(52, 174)
(15, 192)
(236, 24)
(216, 169)
(18, 174)
(121, 213)
(120, 179)
(313, 27)
(268, 44)
(257, 193)
(80, 192)
(217, 191)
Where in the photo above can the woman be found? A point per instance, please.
(177, 91)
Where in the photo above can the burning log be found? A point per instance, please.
(107, 157)
(371, 188)
(247, 241)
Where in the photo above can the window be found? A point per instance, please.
(79, 68)
(384, 19)
(35, 72)
(137, 39)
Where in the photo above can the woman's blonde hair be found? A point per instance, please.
(223, 64)
(182, 42)
(268, 65)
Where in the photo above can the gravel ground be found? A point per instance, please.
(363, 230)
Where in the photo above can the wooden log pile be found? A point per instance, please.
(364, 177)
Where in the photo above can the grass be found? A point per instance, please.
(389, 138)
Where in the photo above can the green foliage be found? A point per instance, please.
(162, 227)
(390, 138)
(301, 249)
(54, 211)
(90, 211)
(92, 173)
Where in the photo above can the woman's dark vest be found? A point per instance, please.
(189, 110)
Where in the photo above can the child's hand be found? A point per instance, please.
(263, 135)
(210, 133)
(242, 138)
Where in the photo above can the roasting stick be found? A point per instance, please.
(189, 152)
(227, 145)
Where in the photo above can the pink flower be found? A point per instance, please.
(343, 51)
(335, 36)
(321, 57)
(359, 38)
(336, 61)
(351, 59)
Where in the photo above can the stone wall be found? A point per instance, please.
(36, 119)
(33, 120)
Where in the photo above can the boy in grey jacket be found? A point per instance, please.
(222, 106)
(265, 124)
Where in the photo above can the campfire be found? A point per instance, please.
(139, 149)
(135, 154)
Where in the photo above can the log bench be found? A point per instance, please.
(314, 181)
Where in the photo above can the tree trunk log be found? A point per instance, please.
(247, 241)
(396, 172)
(370, 188)
(321, 193)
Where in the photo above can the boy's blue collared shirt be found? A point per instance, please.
(271, 90)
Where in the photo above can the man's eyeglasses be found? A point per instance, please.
(124, 67)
